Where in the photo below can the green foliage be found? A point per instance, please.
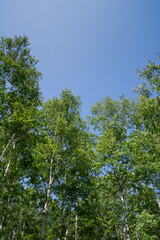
(59, 180)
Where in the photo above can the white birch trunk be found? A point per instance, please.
(117, 232)
(45, 209)
(23, 229)
(125, 221)
(137, 236)
(4, 214)
(76, 222)
(68, 224)
(18, 230)
(4, 151)
(14, 234)
(7, 168)
(158, 201)
(157, 198)
(61, 218)
(8, 201)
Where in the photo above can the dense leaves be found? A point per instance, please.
(58, 179)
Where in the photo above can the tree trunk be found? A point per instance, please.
(61, 217)
(8, 201)
(68, 224)
(18, 230)
(23, 229)
(4, 214)
(76, 222)
(14, 234)
(45, 208)
(157, 198)
(125, 221)
(117, 232)
(137, 236)
(4, 151)
(158, 201)
(7, 168)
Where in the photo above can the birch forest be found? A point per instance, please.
(66, 178)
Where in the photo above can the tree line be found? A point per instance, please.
(66, 178)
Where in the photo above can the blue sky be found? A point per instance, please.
(90, 46)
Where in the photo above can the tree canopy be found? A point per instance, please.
(63, 177)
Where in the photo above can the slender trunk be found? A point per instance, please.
(18, 230)
(155, 191)
(137, 236)
(68, 224)
(7, 167)
(158, 201)
(157, 185)
(117, 232)
(76, 222)
(23, 229)
(121, 232)
(4, 151)
(137, 222)
(8, 201)
(45, 208)
(4, 214)
(125, 220)
(14, 234)
(61, 216)
(157, 198)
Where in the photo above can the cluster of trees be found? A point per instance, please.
(59, 179)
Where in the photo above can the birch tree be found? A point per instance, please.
(19, 99)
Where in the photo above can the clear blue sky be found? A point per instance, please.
(90, 46)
